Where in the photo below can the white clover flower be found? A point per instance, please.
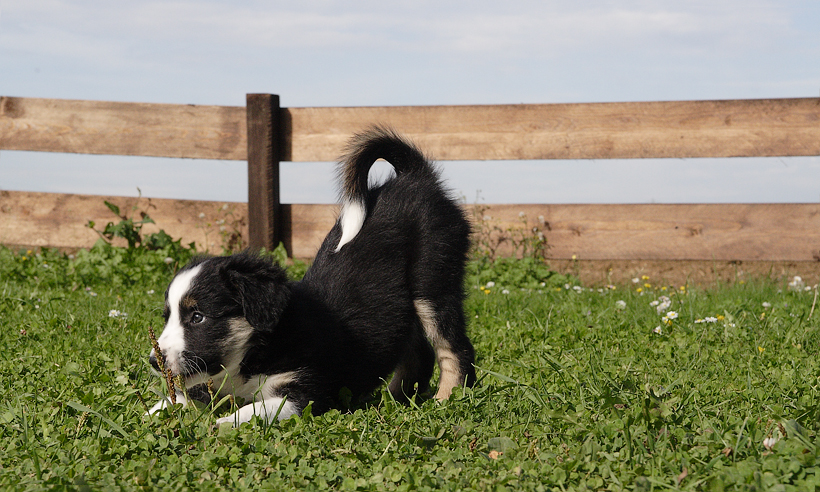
(168, 260)
(767, 305)
(620, 304)
(490, 285)
(521, 214)
(505, 291)
(796, 284)
(636, 280)
(578, 289)
(150, 292)
(566, 286)
(115, 313)
(664, 303)
(769, 442)
(201, 215)
(654, 303)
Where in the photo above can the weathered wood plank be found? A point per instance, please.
(744, 232)
(305, 227)
(730, 128)
(726, 232)
(98, 127)
(59, 220)
(264, 209)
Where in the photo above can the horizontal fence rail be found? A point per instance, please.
(113, 128)
(723, 232)
(263, 133)
(732, 128)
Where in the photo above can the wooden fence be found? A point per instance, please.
(263, 133)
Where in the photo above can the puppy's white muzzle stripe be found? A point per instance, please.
(351, 221)
(172, 340)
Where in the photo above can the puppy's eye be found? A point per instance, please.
(197, 317)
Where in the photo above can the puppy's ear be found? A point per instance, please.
(260, 287)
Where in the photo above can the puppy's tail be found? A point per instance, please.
(362, 151)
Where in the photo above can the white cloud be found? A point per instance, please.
(528, 29)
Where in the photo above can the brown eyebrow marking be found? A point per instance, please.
(188, 302)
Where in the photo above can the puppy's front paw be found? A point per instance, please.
(157, 407)
(230, 419)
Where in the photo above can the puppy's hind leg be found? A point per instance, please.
(446, 329)
(416, 367)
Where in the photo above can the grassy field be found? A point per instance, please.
(628, 387)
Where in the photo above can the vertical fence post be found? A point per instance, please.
(264, 209)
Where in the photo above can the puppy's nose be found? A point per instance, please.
(152, 359)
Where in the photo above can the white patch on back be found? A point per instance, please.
(172, 340)
(351, 220)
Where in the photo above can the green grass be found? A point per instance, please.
(576, 392)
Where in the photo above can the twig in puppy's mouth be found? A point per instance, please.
(166, 373)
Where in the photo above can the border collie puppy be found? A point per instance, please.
(384, 296)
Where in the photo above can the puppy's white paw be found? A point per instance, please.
(165, 403)
(269, 410)
(230, 419)
(157, 407)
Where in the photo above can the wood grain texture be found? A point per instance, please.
(305, 227)
(98, 127)
(732, 128)
(677, 129)
(719, 232)
(264, 210)
(59, 220)
(731, 232)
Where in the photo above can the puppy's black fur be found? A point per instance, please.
(389, 300)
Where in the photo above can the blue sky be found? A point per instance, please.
(374, 53)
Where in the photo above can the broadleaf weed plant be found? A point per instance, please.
(130, 229)
(524, 264)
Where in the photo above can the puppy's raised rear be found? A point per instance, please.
(383, 295)
(407, 241)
